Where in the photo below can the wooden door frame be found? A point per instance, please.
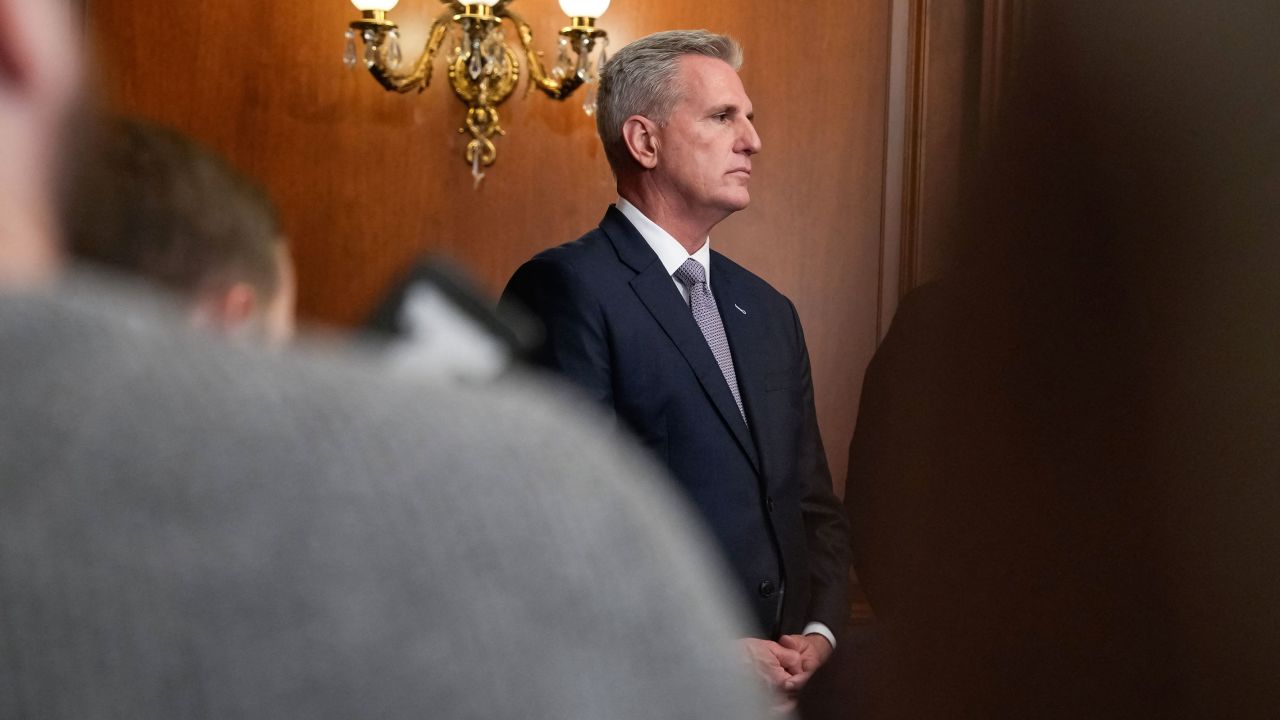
(906, 118)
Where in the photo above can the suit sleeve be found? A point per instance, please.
(825, 525)
(575, 342)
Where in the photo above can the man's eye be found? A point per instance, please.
(722, 117)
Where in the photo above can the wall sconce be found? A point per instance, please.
(483, 70)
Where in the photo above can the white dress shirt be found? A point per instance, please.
(669, 250)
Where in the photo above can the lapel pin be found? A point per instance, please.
(744, 312)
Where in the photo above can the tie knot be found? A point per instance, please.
(691, 273)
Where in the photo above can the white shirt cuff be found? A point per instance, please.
(817, 628)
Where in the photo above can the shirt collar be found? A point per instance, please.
(669, 250)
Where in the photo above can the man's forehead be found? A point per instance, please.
(705, 67)
(711, 81)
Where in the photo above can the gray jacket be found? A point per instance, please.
(192, 531)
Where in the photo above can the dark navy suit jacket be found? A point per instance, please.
(617, 326)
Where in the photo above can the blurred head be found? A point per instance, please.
(158, 205)
(672, 111)
(39, 82)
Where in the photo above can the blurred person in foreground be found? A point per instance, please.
(193, 530)
(701, 358)
(1063, 481)
(155, 204)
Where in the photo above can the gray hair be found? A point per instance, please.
(639, 80)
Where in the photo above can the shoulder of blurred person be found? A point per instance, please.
(191, 529)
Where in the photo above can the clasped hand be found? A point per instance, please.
(786, 665)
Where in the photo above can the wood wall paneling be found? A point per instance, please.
(896, 164)
(944, 52)
(1004, 23)
(368, 180)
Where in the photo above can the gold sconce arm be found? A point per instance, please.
(483, 70)
(558, 89)
(418, 78)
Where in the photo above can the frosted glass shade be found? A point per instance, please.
(584, 8)
(486, 3)
(384, 5)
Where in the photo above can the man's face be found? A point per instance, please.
(706, 144)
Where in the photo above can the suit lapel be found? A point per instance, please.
(657, 291)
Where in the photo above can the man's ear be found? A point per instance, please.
(641, 135)
(225, 309)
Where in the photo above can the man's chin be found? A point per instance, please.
(737, 201)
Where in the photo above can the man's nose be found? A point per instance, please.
(749, 142)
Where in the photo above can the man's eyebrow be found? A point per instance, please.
(731, 109)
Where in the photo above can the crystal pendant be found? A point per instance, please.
(497, 41)
(474, 66)
(563, 61)
(476, 173)
(370, 48)
(493, 49)
(604, 52)
(589, 101)
(349, 57)
(393, 56)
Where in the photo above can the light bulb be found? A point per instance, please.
(584, 8)
(486, 3)
(383, 5)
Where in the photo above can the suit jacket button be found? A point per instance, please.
(767, 589)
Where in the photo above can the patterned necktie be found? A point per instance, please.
(705, 313)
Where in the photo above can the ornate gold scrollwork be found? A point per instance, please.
(482, 76)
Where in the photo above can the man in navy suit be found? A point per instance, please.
(702, 359)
